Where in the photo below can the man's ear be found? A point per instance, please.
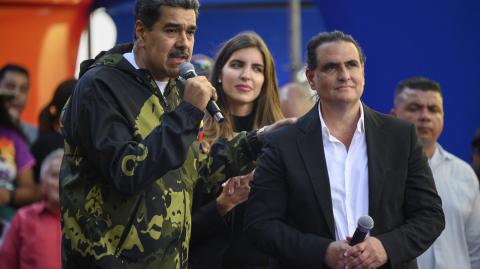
(310, 74)
(363, 74)
(140, 30)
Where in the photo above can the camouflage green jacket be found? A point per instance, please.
(130, 166)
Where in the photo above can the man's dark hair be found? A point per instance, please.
(417, 83)
(148, 11)
(13, 68)
(476, 141)
(6, 120)
(327, 37)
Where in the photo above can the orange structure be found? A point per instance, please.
(43, 36)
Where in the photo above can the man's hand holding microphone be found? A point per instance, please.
(357, 252)
(200, 92)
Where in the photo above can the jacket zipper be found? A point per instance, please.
(182, 236)
(158, 93)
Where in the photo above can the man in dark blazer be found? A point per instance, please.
(340, 161)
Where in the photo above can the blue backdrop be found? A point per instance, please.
(437, 39)
(220, 20)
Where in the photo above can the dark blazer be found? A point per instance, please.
(289, 212)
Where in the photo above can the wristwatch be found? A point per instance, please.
(260, 133)
(10, 188)
(7, 185)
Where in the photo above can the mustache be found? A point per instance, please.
(179, 53)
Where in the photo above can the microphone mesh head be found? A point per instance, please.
(365, 222)
(185, 68)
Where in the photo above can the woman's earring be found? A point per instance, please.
(219, 81)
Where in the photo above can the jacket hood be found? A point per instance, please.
(112, 57)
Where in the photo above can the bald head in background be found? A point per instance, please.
(295, 99)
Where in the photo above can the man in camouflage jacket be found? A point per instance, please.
(131, 152)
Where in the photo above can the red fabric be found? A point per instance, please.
(33, 240)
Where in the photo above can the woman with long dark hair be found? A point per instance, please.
(49, 137)
(246, 83)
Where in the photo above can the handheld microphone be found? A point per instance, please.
(365, 224)
(188, 71)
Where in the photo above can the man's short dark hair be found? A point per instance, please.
(148, 11)
(13, 68)
(327, 37)
(476, 141)
(417, 83)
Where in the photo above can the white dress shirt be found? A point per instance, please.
(458, 246)
(348, 175)
(131, 59)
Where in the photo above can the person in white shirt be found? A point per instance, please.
(419, 100)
